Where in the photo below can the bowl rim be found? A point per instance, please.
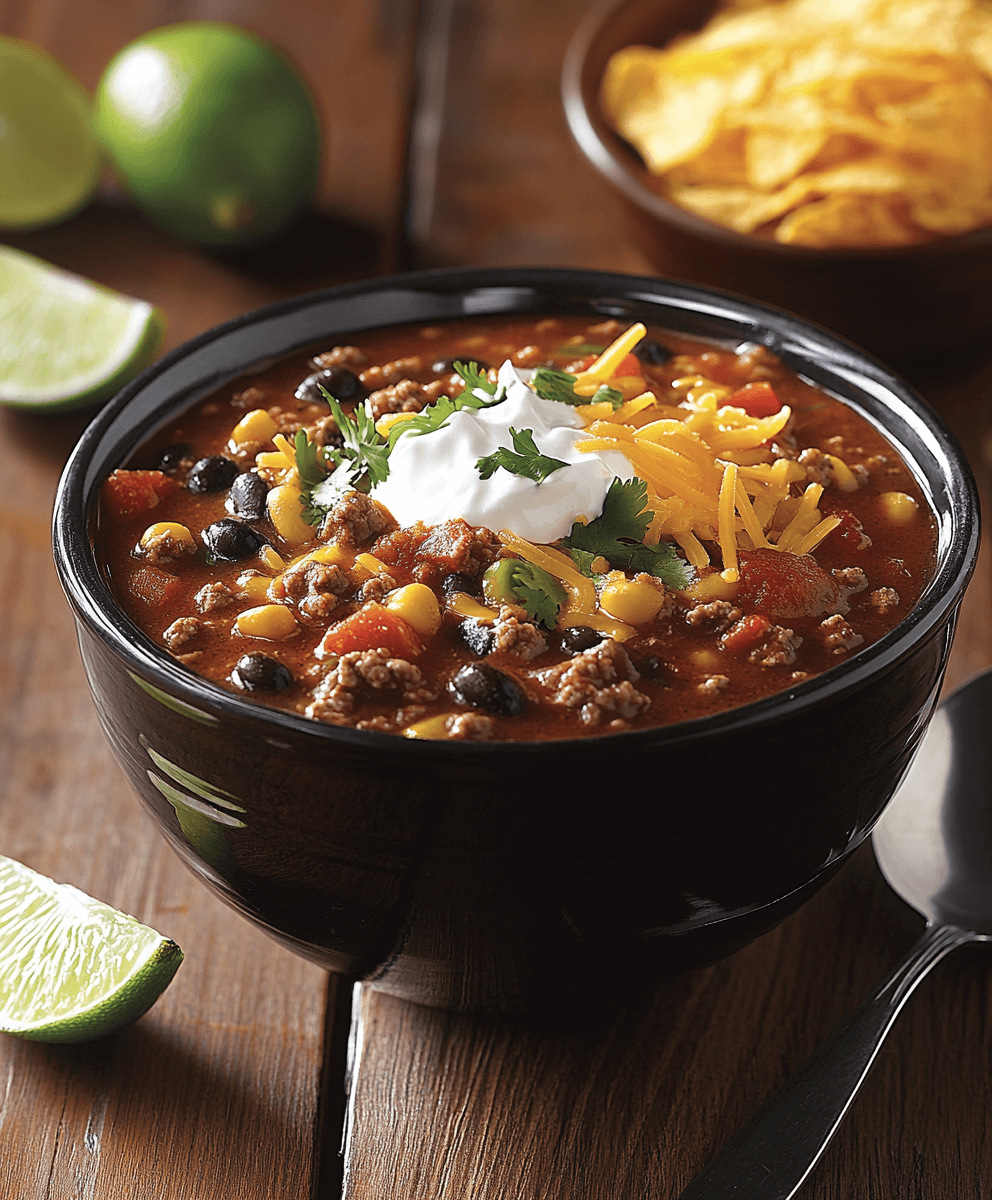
(617, 167)
(505, 291)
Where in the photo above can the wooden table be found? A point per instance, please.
(231, 1085)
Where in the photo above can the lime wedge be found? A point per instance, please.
(71, 968)
(67, 342)
(49, 157)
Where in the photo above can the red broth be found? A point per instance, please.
(415, 630)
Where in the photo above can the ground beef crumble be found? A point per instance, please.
(369, 672)
(838, 637)
(516, 635)
(600, 680)
(715, 617)
(213, 596)
(182, 631)
(354, 520)
(778, 649)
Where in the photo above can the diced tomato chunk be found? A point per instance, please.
(631, 365)
(747, 632)
(757, 399)
(782, 585)
(127, 493)
(154, 586)
(371, 628)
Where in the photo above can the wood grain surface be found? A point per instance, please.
(220, 1089)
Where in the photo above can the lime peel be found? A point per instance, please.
(67, 342)
(71, 967)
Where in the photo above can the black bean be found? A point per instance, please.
(577, 638)
(652, 667)
(212, 474)
(170, 458)
(228, 540)
(259, 673)
(446, 366)
(246, 499)
(339, 381)
(478, 637)
(459, 583)
(481, 686)
(651, 352)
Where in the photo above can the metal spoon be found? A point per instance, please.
(934, 846)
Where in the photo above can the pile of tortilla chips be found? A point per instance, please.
(822, 122)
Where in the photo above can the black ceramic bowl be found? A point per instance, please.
(490, 876)
(907, 303)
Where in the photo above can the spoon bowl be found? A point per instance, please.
(934, 847)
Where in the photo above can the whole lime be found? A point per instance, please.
(49, 158)
(213, 132)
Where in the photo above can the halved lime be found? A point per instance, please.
(67, 342)
(72, 968)
(49, 156)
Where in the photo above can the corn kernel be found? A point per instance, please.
(367, 565)
(418, 606)
(283, 504)
(255, 426)
(433, 728)
(269, 557)
(388, 420)
(706, 660)
(253, 585)
(599, 565)
(272, 622)
(172, 530)
(633, 601)
(711, 587)
(897, 507)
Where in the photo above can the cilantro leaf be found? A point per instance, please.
(617, 534)
(474, 377)
(527, 461)
(516, 581)
(364, 449)
(560, 386)
(584, 559)
(312, 468)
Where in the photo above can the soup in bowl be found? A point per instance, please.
(479, 633)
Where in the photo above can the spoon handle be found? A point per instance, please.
(771, 1157)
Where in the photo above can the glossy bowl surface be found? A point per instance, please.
(906, 304)
(499, 876)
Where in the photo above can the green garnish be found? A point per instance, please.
(435, 416)
(516, 581)
(560, 385)
(617, 535)
(312, 468)
(527, 461)
(364, 450)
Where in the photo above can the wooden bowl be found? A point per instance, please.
(905, 304)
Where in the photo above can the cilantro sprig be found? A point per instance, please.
(313, 468)
(560, 386)
(364, 450)
(435, 416)
(524, 459)
(617, 535)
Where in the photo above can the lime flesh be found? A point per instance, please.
(212, 131)
(67, 342)
(49, 156)
(72, 968)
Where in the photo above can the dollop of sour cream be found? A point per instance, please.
(433, 476)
